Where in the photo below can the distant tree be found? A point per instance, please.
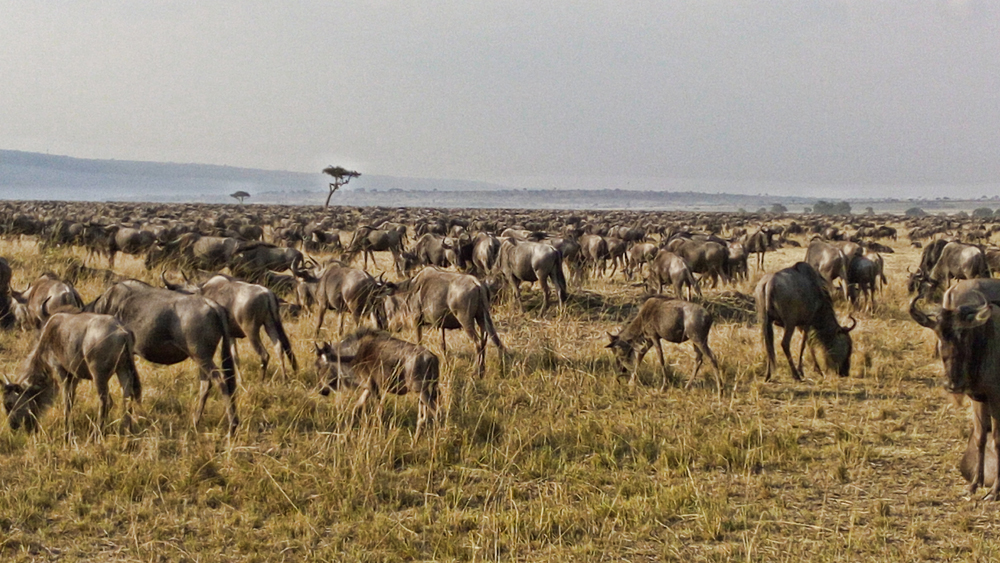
(869, 210)
(830, 208)
(807, 210)
(778, 208)
(982, 212)
(761, 210)
(341, 176)
(240, 195)
(961, 215)
(915, 212)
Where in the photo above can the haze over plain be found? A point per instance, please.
(794, 98)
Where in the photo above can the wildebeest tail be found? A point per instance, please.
(276, 330)
(767, 330)
(488, 328)
(228, 362)
(560, 277)
(128, 375)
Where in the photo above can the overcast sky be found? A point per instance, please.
(643, 94)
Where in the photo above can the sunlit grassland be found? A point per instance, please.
(551, 456)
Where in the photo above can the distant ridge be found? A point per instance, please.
(29, 175)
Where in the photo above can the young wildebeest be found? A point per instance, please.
(670, 320)
(346, 289)
(446, 300)
(250, 307)
(73, 347)
(380, 364)
(797, 297)
(171, 327)
(526, 261)
(670, 268)
(969, 342)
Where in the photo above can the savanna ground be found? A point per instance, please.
(553, 457)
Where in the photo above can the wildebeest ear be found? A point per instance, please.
(9, 388)
(613, 338)
(971, 317)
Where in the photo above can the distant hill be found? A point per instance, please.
(27, 175)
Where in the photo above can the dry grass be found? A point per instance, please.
(556, 458)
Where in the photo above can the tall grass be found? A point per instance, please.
(551, 456)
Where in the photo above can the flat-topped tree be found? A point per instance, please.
(341, 176)
(240, 195)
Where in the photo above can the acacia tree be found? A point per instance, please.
(240, 195)
(341, 176)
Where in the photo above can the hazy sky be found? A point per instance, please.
(729, 93)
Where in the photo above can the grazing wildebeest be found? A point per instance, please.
(250, 307)
(485, 250)
(381, 364)
(640, 254)
(446, 300)
(969, 343)
(192, 250)
(967, 292)
(367, 240)
(527, 261)
(670, 320)
(171, 327)
(72, 347)
(829, 261)
(346, 289)
(959, 261)
(254, 260)
(797, 297)
(46, 288)
(705, 257)
(436, 250)
(669, 268)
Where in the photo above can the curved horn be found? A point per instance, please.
(923, 319)
(854, 323)
(45, 307)
(184, 275)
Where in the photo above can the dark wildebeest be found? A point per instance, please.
(72, 347)
(346, 289)
(640, 254)
(381, 364)
(969, 343)
(617, 248)
(705, 257)
(367, 240)
(669, 268)
(829, 261)
(736, 264)
(526, 261)
(6, 314)
(594, 251)
(485, 250)
(436, 250)
(670, 320)
(758, 243)
(862, 279)
(446, 300)
(250, 307)
(47, 288)
(171, 327)
(127, 240)
(797, 297)
(194, 251)
(253, 261)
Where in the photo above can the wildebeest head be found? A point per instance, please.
(334, 369)
(838, 349)
(959, 343)
(624, 351)
(23, 404)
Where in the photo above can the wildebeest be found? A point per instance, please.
(171, 327)
(527, 261)
(381, 364)
(345, 289)
(829, 261)
(127, 240)
(252, 261)
(669, 268)
(46, 289)
(662, 319)
(595, 254)
(957, 261)
(969, 343)
(367, 240)
(72, 347)
(797, 297)
(862, 279)
(250, 307)
(758, 243)
(194, 251)
(446, 300)
(485, 250)
(640, 254)
(704, 256)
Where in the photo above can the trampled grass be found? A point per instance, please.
(551, 456)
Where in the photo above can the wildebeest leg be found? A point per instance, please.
(663, 363)
(516, 284)
(802, 348)
(640, 353)
(697, 365)
(994, 413)
(104, 402)
(543, 282)
(319, 322)
(786, 342)
(469, 326)
(204, 388)
(767, 330)
(265, 357)
(69, 395)
(370, 388)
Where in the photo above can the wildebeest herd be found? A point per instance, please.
(448, 269)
